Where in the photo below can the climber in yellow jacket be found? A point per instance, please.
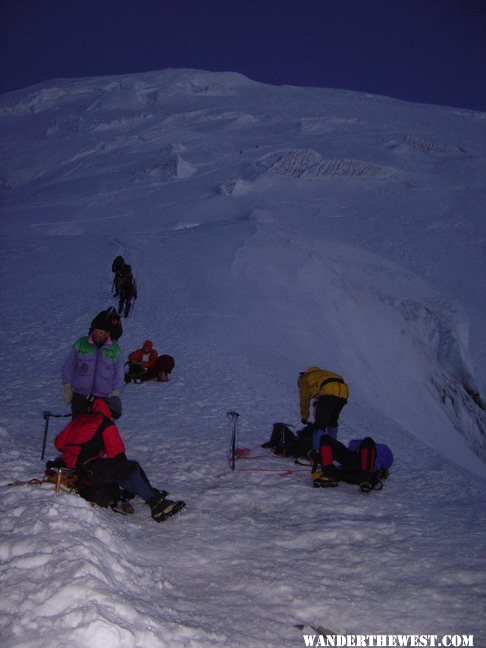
(330, 394)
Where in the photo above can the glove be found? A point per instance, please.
(115, 392)
(67, 393)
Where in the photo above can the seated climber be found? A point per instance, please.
(92, 447)
(140, 361)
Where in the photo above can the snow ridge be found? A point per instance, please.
(308, 163)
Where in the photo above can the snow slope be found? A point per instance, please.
(270, 229)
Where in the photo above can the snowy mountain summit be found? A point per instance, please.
(270, 229)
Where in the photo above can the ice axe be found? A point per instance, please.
(233, 417)
(46, 416)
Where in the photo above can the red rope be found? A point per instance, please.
(282, 472)
(245, 453)
(242, 453)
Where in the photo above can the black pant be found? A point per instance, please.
(328, 409)
(125, 473)
(125, 305)
(106, 471)
(79, 404)
(134, 371)
(354, 466)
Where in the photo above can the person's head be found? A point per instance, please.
(147, 346)
(100, 328)
(304, 373)
(100, 336)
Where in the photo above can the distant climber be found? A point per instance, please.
(140, 361)
(141, 370)
(127, 292)
(117, 268)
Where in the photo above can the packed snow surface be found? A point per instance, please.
(269, 229)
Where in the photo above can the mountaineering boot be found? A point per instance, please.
(321, 480)
(161, 494)
(366, 482)
(372, 483)
(366, 486)
(321, 477)
(162, 509)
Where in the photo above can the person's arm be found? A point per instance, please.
(152, 359)
(67, 393)
(118, 377)
(67, 373)
(68, 366)
(135, 357)
(305, 399)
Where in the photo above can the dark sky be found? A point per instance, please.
(430, 51)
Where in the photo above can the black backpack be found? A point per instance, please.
(287, 444)
(101, 494)
(282, 441)
(303, 444)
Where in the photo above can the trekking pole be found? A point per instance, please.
(46, 415)
(233, 417)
